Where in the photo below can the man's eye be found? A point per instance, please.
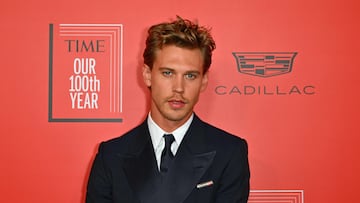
(167, 73)
(190, 76)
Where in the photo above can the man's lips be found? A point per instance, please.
(176, 104)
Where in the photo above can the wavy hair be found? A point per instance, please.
(181, 33)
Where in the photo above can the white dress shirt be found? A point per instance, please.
(158, 141)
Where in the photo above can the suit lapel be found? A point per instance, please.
(140, 165)
(191, 162)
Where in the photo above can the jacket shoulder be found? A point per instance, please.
(221, 136)
(127, 142)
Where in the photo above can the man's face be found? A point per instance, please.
(176, 80)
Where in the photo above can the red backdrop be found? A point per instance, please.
(299, 143)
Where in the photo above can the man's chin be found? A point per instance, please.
(177, 116)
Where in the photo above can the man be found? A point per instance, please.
(173, 156)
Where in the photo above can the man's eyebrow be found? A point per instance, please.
(166, 68)
(173, 70)
(193, 71)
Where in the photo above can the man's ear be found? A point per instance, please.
(147, 75)
(204, 81)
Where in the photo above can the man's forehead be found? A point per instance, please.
(173, 56)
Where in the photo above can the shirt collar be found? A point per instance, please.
(156, 133)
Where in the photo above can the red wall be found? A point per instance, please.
(297, 141)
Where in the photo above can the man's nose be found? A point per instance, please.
(178, 84)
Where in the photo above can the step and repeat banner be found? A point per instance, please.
(283, 77)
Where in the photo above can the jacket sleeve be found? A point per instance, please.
(234, 184)
(99, 188)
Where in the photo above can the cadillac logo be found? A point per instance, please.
(264, 64)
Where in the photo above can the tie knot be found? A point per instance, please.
(169, 139)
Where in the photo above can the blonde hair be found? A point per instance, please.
(182, 33)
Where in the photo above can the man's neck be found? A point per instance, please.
(169, 125)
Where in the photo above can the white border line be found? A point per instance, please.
(86, 25)
(119, 56)
(279, 191)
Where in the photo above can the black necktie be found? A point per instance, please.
(166, 155)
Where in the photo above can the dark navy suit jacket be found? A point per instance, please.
(210, 166)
